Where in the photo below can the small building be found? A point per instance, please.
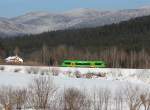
(14, 60)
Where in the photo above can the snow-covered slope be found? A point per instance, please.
(37, 22)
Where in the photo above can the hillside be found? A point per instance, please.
(38, 22)
(118, 44)
(132, 34)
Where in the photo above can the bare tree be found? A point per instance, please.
(98, 99)
(7, 98)
(16, 51)
(20, 96)
(101, 99)
(75, 100)
(133, 95)
(119, 100)
(145, 98)
(107, 99)
(41, 93)
(45, 54)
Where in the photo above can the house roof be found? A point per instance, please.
(12, 58)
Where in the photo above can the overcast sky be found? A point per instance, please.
(11, 8)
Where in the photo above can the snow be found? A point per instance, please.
(15, 80)
(38, 22)
(23, 75)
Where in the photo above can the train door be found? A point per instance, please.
(73, 64)
(92, 65)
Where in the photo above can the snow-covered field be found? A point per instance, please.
(65, 76)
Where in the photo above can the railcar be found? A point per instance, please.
(84, 64)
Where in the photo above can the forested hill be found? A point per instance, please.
(133, 34)
(123, 45)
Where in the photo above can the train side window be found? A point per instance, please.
(82, 63)
(98, 63)
(86, 64)
(67, 63)
(78, 63)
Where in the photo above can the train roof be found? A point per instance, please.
(83, 61)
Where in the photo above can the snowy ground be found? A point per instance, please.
(114, 79)
(22, 76)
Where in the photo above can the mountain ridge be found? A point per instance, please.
(38, 22)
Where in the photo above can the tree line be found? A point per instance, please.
(129, 39)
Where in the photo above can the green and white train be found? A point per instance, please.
(83, 64)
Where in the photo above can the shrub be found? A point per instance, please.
(75, 99)
(89, 75)
(44, 71)
(55, 71)
(42, 92)
(100, 74)
(17, 70)
(32, 70)
(2, 68)
(77, 74)
(35, 70)
(70, 74)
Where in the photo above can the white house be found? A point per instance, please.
(14, 59)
